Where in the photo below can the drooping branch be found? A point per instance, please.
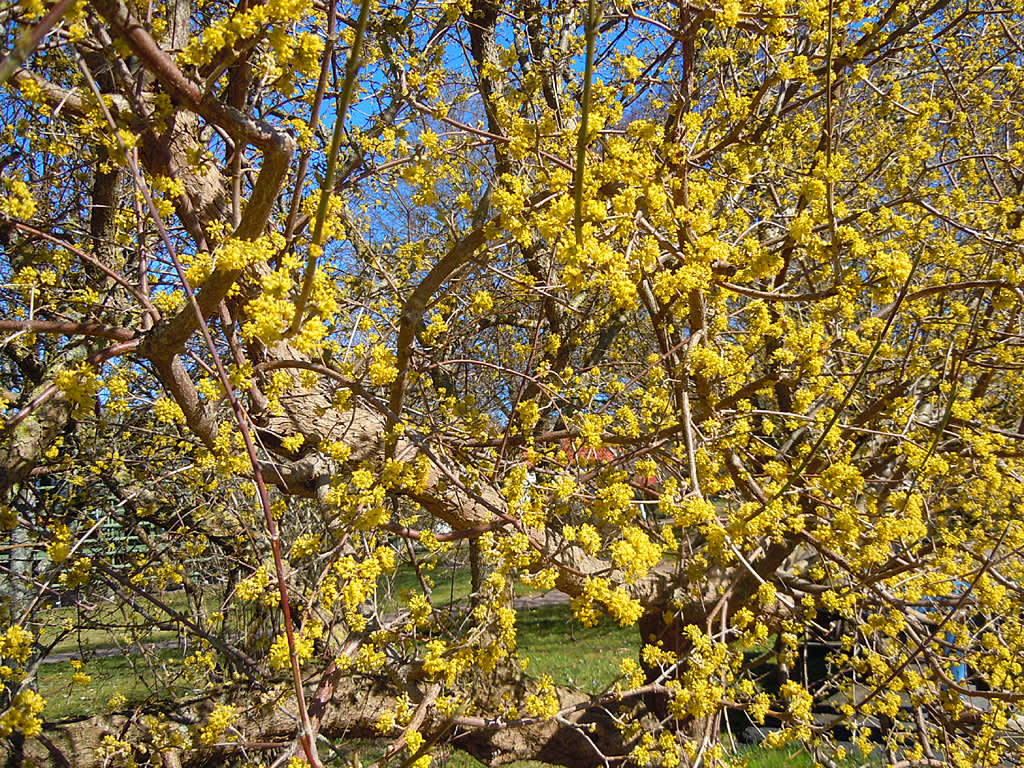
(348, 707)
(276, 145)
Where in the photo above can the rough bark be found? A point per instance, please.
(23, 446)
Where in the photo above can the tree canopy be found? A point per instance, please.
(706, 314)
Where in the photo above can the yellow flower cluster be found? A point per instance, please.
(529, 414)
(279, 656)
(631, 672)
(166, 411)
(616, 602)
(305, 545)
(420, 610)
(292, 443)
(635, 554)
(273, 309)
(80, 385)
(353, 582)
(23, 715)
(225, 32)
(16, 202)
(115, 751)
(78, 574)
(592, 427)
(614, 501)
(541, 581)
(78, 677)
(60, 546)
(707, 671)
(662, 751)
(383, 369)
(434, 663)
(220, 719)
(544, 701)
(799, 701)
(482, 302)
(16, 647)
(256, 587)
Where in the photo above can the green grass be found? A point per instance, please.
(556, 644)
(448, 584)
(81, 642)
(795, 757)
(135, 677)
(106, 624)
(585, 657)
(785, 757)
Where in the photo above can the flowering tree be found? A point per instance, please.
(706, 315)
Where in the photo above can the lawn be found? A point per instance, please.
(108, 624)
(448, 583)
(585, 657)
(134, 676)
(556, 644)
